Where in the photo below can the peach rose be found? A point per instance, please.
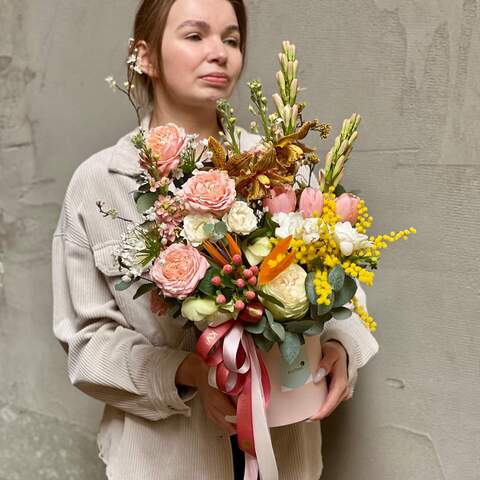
(346, 207)
(311, 200)
(166, 143)
(282, 199)
(209, 192)
(178, 270)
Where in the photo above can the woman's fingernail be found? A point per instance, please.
(231, 418)
(319, 374)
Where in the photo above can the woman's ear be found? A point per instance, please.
(144, 60)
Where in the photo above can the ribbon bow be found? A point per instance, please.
(238, 370)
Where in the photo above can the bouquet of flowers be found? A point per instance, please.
(255, 248)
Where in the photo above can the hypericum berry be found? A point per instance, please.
(228, 269)
(221, 299)
(240, 283)
(239, 305)
(250, 295)
(247, 273)
(252, 281)
(254, 269)
(237, 259)
(216, 281)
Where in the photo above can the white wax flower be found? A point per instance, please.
(289, 224)
(240, 219)
(348, 239)
(193, 227)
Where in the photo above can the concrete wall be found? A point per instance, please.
(411, 69)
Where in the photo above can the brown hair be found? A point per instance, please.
(149, 25)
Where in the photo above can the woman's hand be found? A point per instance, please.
(334, 364)
(194, 372)
(217, 405)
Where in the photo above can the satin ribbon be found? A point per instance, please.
(238, 370)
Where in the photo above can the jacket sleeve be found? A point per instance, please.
(107, 360)
(358, 341)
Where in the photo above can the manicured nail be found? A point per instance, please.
(319, 374)
(231, 418)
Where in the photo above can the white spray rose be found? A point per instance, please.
(289, 288)
(311, 230)
(193, 227)
(348, 239)
(289, 224)
(258, 250)
(240, 219)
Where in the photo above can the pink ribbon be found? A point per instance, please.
(240, 371)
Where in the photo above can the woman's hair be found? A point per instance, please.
(149, 25)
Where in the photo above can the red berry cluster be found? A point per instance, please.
(244, 279)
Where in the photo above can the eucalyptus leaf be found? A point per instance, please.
(208, 229)
(315, 329)
(290, 347)
(299, 326)
(278, 330)
(120, 286)
(341, 313)
(269, 316)
(310, 288)
(346, 293)
(256, 328)
(220, 229)
(145, 288)
(145, 201)
(336, 277)
(269, 334)
(262, 343)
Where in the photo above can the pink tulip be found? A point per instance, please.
(311, 201)
(346, 207)
(281, 199)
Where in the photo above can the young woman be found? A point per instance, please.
(161, 417)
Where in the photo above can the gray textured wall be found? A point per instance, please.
(411, 68)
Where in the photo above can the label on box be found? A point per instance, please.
(297, 374)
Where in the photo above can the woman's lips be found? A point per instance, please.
(215, 80)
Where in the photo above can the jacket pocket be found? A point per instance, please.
(105, 260)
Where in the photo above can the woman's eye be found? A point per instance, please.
(194, 37)
(233, 42)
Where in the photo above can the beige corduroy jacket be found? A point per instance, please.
(118, 352)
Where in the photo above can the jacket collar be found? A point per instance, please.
(124, 158)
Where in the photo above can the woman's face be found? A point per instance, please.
(201, 37)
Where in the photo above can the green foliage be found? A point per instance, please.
(341, 313)
(145, 288)
(346, 293)
(290, 347)
(336, 277)
(145, 201)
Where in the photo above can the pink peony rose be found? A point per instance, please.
(178, 270)
(209, 192)
(166, 143)
(346, 207)
(282, 199)
(311, 200)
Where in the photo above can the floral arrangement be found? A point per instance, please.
(240, 242)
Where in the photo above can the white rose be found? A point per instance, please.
(193, 227)
(258, 250)
(289, 224)
(311, 230)
(348, 239)
(240, 219)
(289, 288)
